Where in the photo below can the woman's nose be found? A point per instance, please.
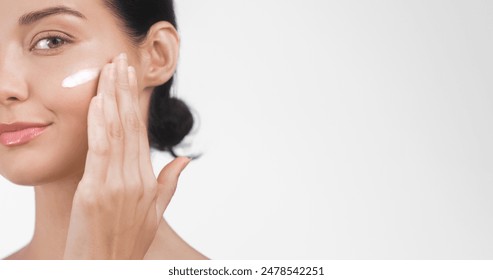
(13, 87)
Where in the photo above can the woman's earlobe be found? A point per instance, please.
(160, 53)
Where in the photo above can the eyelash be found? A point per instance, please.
(65, 39)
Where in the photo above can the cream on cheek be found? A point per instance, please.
(81, 77)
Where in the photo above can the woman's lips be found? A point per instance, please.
(20, 133)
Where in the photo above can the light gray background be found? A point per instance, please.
(330, 130)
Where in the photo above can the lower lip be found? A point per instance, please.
(15, 138)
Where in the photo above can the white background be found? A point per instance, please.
(330, 130)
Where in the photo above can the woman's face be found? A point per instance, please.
(43, 42)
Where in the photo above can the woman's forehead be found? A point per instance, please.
(19, 16)
(15, 11)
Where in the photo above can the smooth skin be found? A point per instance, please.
(96, 194)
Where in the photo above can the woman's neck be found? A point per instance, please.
(53, 208)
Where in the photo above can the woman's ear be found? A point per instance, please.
(159, 53)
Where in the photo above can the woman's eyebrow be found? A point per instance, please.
(32, 17)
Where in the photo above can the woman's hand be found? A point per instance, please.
(119, 203)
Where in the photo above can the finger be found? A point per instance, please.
(130, 123)
(167, 182)
(144, 150)
(114, 130)
(134, 90)
(98, 146)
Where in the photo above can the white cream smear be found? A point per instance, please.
(80, 77)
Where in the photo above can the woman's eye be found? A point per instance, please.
(50, 43)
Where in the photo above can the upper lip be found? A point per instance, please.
(19, 126)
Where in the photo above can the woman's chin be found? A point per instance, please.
(21, 181)
(31, 179)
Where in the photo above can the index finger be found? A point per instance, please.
(98, 145)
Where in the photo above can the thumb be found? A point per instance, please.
(167, 181)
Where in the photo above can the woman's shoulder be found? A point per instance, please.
(14, 256)
(168, 245)
(19, 255)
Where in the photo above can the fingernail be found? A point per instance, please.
(187, 162)
(123, 56)
(131, 69)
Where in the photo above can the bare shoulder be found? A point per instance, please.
(19, 255)
(168, 245)
(183, 254)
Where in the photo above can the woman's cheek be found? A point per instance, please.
(69, 107)
(81, 77)
(67, 81)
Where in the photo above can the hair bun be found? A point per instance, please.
(170, 120)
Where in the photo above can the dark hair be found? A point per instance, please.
(170, 119)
